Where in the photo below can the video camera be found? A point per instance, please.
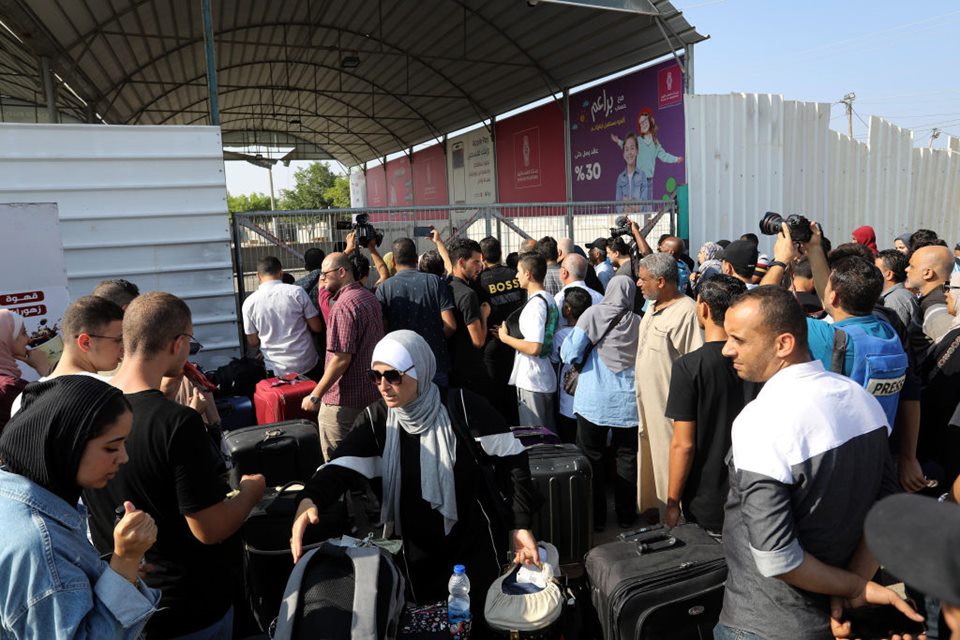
(360, 222)
(622, 228)
(770, 225)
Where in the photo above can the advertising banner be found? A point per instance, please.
(627, 136)
(530, 156)
(470, 170)
(38, 293)
(399, 182)
(429, 176)
(358, 188)
(376, 186)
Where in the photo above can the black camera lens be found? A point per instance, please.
(770, 223)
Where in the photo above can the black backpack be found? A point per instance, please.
(344, 593)
(239, 377)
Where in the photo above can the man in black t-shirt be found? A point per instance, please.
(420, 302)
(706, 394)
(176, 475)
(466, 343)
(500, 289)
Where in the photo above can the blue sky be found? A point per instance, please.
(901, 60)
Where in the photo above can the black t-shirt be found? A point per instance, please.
(500, 288)
(705, 388)
(940, 374)
(414, 300)
(467, 361)
(174, 470)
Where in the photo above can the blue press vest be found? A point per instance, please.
(880, 366)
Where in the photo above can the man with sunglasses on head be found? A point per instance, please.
(354, 328)
(92, 330)
(279, 318)
(176, 475)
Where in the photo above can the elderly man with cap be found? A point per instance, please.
(425, 449)
(739, 260)
(597, 255)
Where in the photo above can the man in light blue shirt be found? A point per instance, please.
(597, 254)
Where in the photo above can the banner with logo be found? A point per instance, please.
(399, 182)
(530, 156)
(376, 186)
(470, 168)
(627, 136)
(34, 288)
(430, 176)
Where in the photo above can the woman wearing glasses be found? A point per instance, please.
(446, 508)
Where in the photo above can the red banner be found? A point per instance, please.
(376, 187)
(399, 182)
(530, 156)
(430, 176)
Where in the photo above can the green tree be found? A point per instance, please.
(310, 188)
(339, 193)
(244, 202)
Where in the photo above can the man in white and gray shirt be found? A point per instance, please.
(809, 457)
(278, 318)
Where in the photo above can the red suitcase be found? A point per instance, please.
(279, 399)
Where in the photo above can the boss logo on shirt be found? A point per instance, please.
(500, 287)
(887, 387)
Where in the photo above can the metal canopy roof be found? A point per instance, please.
(351, 80)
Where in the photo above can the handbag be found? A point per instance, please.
(572, 376)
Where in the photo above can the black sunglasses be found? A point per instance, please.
(195, 346)
(392, 376)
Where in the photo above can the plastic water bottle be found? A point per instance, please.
(458, 603)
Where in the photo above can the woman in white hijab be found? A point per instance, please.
(446, 508)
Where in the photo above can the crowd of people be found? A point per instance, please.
(776, 401)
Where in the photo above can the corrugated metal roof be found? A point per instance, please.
(425, 67)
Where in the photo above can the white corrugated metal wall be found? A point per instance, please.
(145, 203)
(751, 153)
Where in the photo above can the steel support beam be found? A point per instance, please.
(211, 62)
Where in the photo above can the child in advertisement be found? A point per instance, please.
(632, 183)
(649, 149)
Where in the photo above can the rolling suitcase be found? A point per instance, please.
(658, 583)
(279, 399)
(236, 412)
(562, 474)
(283, 452)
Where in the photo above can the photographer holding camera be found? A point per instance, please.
(858, 344)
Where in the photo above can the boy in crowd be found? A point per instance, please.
(575, 302)
(533, 374)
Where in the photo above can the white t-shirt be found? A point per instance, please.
(595, 297)
(278, 314)
(532, 373)
(19, 399)
(566, 400)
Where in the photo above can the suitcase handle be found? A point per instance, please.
(658, 542)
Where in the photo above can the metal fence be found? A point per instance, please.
(288, 234)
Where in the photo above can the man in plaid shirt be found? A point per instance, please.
(354, 328)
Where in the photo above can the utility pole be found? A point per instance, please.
(848, 102)
(933, 136)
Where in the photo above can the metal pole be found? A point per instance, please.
(496, 185)
(49, 90)
(568, 156)
(273, 205)
(241, 292)
(688, 67)
(211, 62)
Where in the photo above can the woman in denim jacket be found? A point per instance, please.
(68, 436)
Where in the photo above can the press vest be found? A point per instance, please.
(880, 365)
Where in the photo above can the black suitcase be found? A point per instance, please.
(267, 561)
(657, 583)
(562, 474)
(283, 452)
